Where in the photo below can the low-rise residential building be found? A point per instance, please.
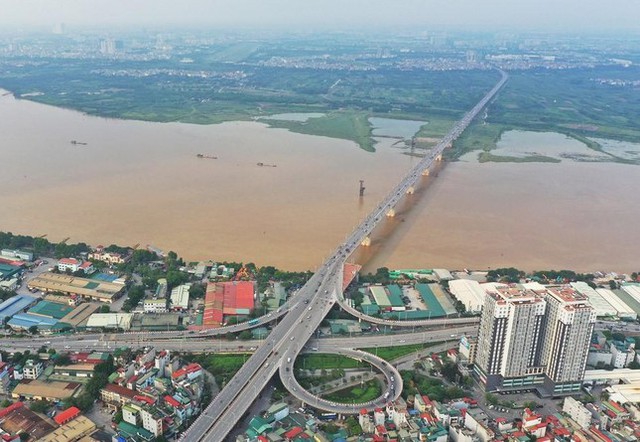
(5, 378)
(70, 264)
(577, 412)
(32, 369)
(111, 258)
(17, 254)
(115, 396)
(155, 305)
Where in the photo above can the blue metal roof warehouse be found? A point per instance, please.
(26, 320)
(15, 304)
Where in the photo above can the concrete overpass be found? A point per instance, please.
(316, 298)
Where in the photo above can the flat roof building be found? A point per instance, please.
(110, 320)
(380, 296)
(82, 287)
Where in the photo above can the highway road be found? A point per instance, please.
(316, 298)
(195, 345)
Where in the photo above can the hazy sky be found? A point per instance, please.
(478, 14)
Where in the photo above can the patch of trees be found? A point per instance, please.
(507, 274)
(135, 295)
(380, 277)
(415, 383)
(84, 401)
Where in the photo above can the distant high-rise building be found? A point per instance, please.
(108, 46)
(58, 29)
(509, 339)
(570, 323)
(533, 338)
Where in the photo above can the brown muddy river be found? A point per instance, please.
(138, 182)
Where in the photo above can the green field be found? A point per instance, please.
(347, 125)
(322, 361)
(391, 353)
(356, 395)
(236, 80)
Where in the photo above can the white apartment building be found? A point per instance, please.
(577, 412)
(570, 323)
(509, 340)
(32, 369)
(155, 305)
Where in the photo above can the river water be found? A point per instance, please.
(139, 182)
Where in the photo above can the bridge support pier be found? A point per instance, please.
(391, 213)
(367, 241)
(439, 157)
(411, 190)
(426, 172)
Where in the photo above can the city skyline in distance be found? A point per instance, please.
(544, 15)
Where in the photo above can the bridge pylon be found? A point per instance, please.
(366, 242)
(391, 213)
(411, 190)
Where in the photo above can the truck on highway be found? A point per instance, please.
(253, 321)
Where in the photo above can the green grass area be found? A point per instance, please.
(355, 395)
(486, 157)
(322, 361)
(240, 86)
(222, 366)
(391, 353)
(347, 125)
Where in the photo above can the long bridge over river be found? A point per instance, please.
(309, 307)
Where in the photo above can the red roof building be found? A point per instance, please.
(10, 408)
(67, 415)
(171, 401)
(227, 299)
(293, 433)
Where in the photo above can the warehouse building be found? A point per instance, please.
(79, 315)
(73, 430)
(16, 418)
(50, 309)
(8, 271)
(180, 297)
(601, 306)
(224, 299)
(16, 304)
(110, 321)
(623, 311)
(17, 254)
(40, 390)
(469, 292)
(84, 288)
(24, 321)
